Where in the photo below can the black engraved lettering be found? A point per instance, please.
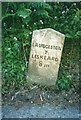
(49, 58)
(56, 59)
(37, 57)
(41, 57)
(47, 46)
(39, 45)
(53, 58)
(44, 57)
(36, 45)
(32, 56)
(46, 51)
(40, 63)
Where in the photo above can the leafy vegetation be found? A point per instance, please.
(19, 20)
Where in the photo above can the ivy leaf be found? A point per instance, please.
(23, 68)
(42, 13)
(7, 15)
(26, 20)
(68, 36)
(40, 5)
(46, 6)
(24, 13)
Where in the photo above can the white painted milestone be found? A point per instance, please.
(45, 56)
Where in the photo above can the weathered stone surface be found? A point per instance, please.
(45, 56)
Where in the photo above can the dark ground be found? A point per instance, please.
(39, 103)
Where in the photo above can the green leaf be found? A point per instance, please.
(24, 13)
(78, 12)
(42, 13)
(27, 19)
(68, 35)
(46, 6)
(7, 15)
(40, 5)
(23, 68)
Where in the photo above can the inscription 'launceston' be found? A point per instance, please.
(46, 46)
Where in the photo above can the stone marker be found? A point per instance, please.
(45, 56)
